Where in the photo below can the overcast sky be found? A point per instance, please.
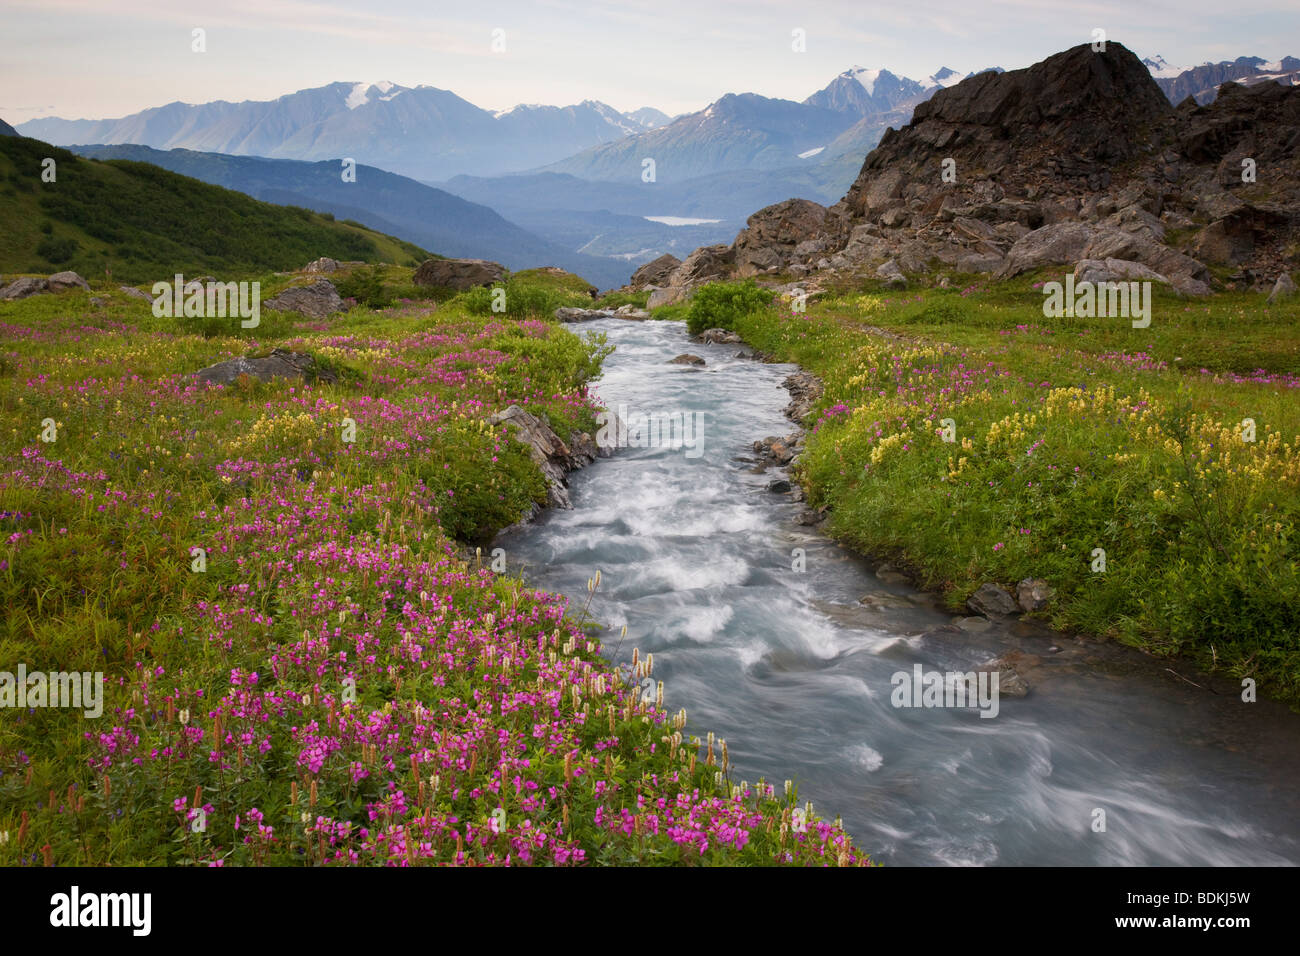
(108, 58)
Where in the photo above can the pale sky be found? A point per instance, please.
(108, 58)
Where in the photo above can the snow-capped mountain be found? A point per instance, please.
(422, 131)
(1202, 82)
(1159, 68)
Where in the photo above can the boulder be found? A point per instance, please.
(281, 363)
(892, 274)
(459, 274)
(655, 272)
(318, 300)
(1033, 594)
(548, 451)
(668, 296)
(705, 264)
(1049, 245)
(778, 486)
(324, 266)
(135, 293)
(23, 287)
(990, 600)
(62, 281)
(772, 235)
(719, 337)
(1284, 288)
(1115, 270)
(687, 359)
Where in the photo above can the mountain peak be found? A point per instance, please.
(363, 93)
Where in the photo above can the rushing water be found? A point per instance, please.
(792, 668)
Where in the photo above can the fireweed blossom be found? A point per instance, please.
(355, 692)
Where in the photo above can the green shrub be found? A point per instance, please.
(57, 250)
(720, 304)
(366, 286)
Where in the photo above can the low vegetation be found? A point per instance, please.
(300, 664)
(1150, 475)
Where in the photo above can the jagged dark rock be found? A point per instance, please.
(1079, 157)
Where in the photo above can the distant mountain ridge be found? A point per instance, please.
(431, 218)
(1202, 82)
(423, 131)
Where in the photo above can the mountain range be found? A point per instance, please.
(422, 132)
(567, 180)
(428, 217)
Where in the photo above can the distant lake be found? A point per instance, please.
(681, 220)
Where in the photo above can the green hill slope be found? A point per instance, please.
(145, 223)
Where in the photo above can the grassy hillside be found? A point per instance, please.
(144, 223)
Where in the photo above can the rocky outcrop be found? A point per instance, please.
(1078, 158)
(324, 266)
(768, 241)
(551, 454)
(318, 300)
(459, 274)
(281, 363)
(654, 273)
(134, 293)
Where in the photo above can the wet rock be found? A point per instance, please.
(1010, 683)
(1033, 594)
(281, 363)
(719, 337)
(974, 625)
(989, 600)
(779, 485)
(805, 391)
(883, 601)
(687, 359)
(318, 300)
(809, 518)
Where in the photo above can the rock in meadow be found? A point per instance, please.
(318, 300)
(459, 274)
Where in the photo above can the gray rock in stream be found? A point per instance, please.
(991, 600)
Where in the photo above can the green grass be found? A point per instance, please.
(332, 567)
(1070, 435)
